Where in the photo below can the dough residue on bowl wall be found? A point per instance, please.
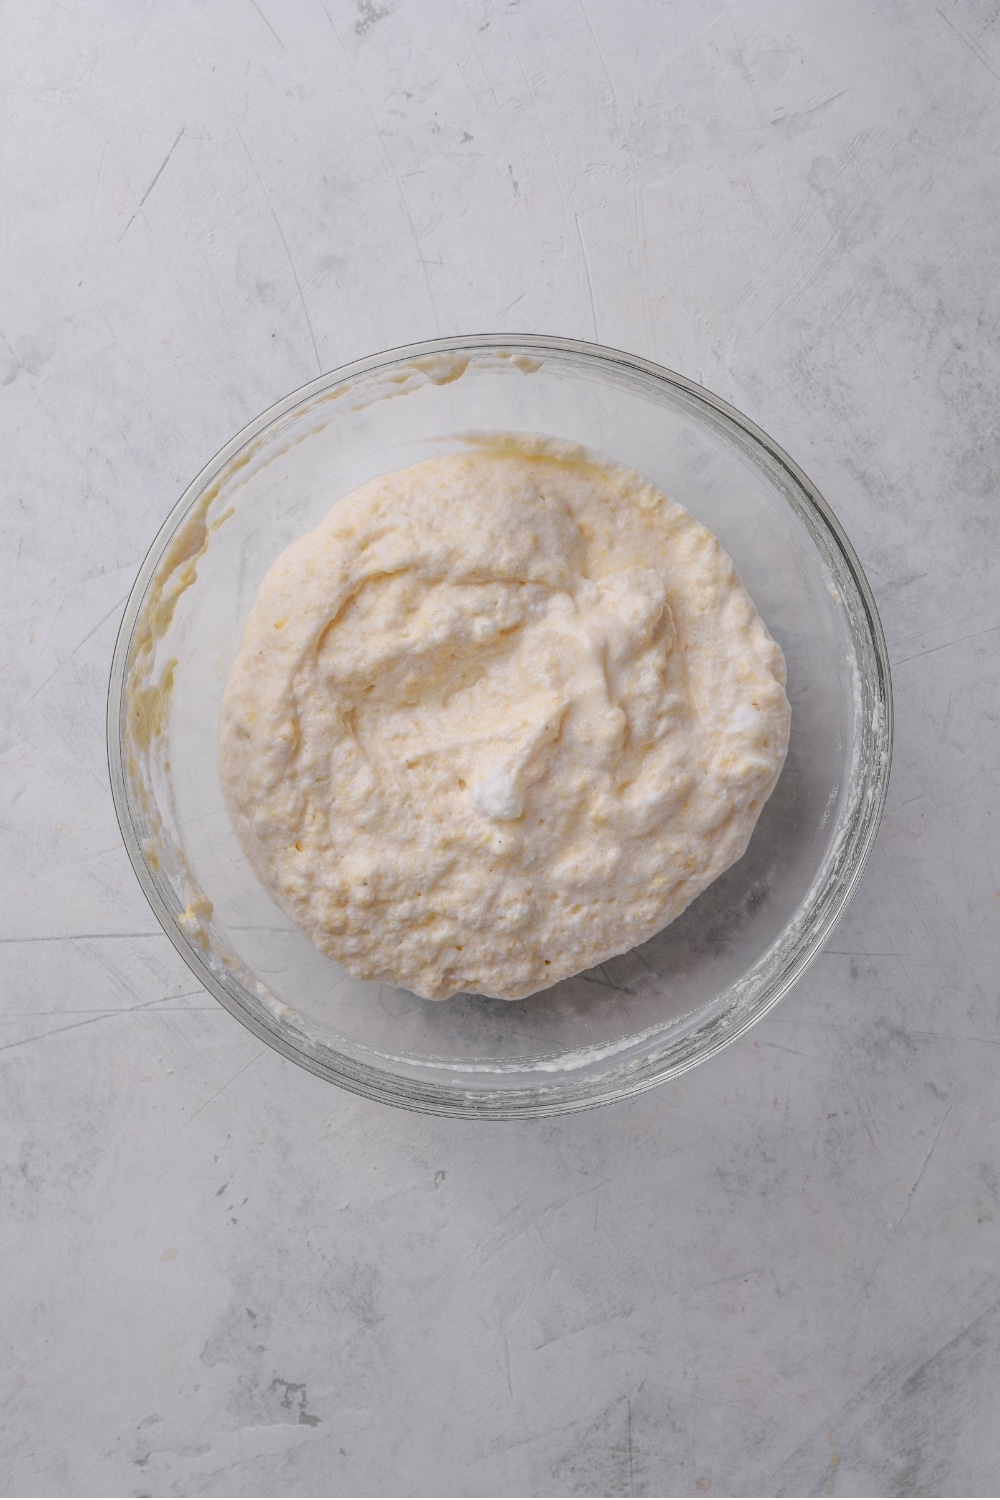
(500, 716)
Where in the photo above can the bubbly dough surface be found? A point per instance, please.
(500, 716)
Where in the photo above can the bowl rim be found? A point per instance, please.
(492, 1103)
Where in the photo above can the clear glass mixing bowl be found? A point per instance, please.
(632, 1022)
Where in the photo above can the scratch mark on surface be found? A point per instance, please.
(811, 109)
(29, 1015)
(55, 671)
(103, 620)
(486, 1249)
(973, 46)
(778, 1047)
(947, 715)
(909, 1197)
(97, 186)
(300, 1441)
(913, 1379)
(503, 1444)
(816, 266)
(460, 12)
(604, 68)
(864, 1109)
(631, 1478)
(106, 1015)
(930, 1153)
(858, 953)
(267, 23)
(152, 185)
(956, 1036)
(852, 151)
(240, 1071)
(79, 937)
(288, 253)
(729, 1280)
(756, 282)
(569, 1333)
(972, 636)
(590, 284)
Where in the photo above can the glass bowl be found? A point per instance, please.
(634, 1021)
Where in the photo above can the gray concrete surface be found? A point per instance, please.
(221, 1276)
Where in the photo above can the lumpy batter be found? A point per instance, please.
(500, 716)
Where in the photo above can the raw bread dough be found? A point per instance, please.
(500, 716)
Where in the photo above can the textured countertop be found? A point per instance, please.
(778, 1276)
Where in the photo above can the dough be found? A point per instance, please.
(500, 716)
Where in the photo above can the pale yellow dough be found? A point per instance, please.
(500, 716)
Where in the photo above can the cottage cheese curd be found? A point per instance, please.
(500, 716)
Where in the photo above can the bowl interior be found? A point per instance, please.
(644, 1015)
